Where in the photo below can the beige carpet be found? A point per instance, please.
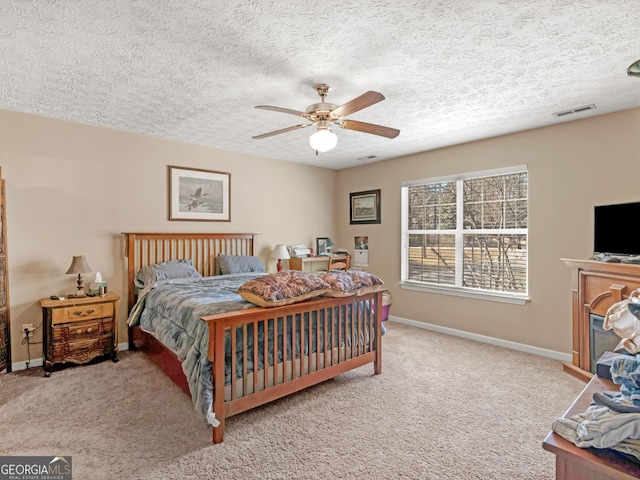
(444, 408)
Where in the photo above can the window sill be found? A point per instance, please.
(467, 292)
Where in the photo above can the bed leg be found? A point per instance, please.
(218, 432)
(132, 344)
(377, 364)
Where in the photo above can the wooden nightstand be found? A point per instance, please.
(77, 330)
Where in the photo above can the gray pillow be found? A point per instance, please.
(182, 268)
(239, 264)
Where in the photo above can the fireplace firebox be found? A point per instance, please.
(601, 340)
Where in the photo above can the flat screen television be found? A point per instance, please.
(614, 230)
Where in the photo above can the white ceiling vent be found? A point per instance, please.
(368, 157)
(575, 110)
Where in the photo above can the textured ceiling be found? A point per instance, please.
(452, 71)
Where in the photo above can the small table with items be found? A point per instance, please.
(573, 462)
(321, 262)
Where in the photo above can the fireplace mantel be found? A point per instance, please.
(595, 287)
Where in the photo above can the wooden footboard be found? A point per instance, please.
(321, 338)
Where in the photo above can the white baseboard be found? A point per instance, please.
(37, 362)
(543, 352)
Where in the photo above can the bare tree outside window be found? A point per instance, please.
(468, 233)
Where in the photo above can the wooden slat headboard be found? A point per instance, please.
(142, 249)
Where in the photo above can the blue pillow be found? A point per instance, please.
(239, 264)
(182, 268)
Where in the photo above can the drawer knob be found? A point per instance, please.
(89, 330)
(80, 313)
(79, 331)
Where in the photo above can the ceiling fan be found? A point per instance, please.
(323, 114)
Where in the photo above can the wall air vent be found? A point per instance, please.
(564, 113)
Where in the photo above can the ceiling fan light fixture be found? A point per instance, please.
(323, 140)
(323, 114)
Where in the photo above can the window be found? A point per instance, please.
(467, 234)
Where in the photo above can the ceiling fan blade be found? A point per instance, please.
(363, 101)
(284, 110)
(370, 128)
(284, 130)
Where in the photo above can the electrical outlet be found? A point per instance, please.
(27, 330)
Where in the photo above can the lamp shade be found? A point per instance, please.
(634, 69)
(323, 140)
(330, 243)
(79, 265)
(280, 252)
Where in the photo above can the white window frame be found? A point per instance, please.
(506, 297)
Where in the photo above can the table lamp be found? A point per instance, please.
(280, 252)
(329, 244)
(79, 265)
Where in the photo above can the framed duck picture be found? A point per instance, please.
(196, 194)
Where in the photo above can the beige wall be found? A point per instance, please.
(572, 167)
(72, 189)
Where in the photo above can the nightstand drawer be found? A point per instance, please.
(81, 312)
(75, 331)
(83, 351)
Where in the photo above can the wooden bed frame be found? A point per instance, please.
(281, 378)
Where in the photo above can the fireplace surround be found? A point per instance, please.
(595, 287)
